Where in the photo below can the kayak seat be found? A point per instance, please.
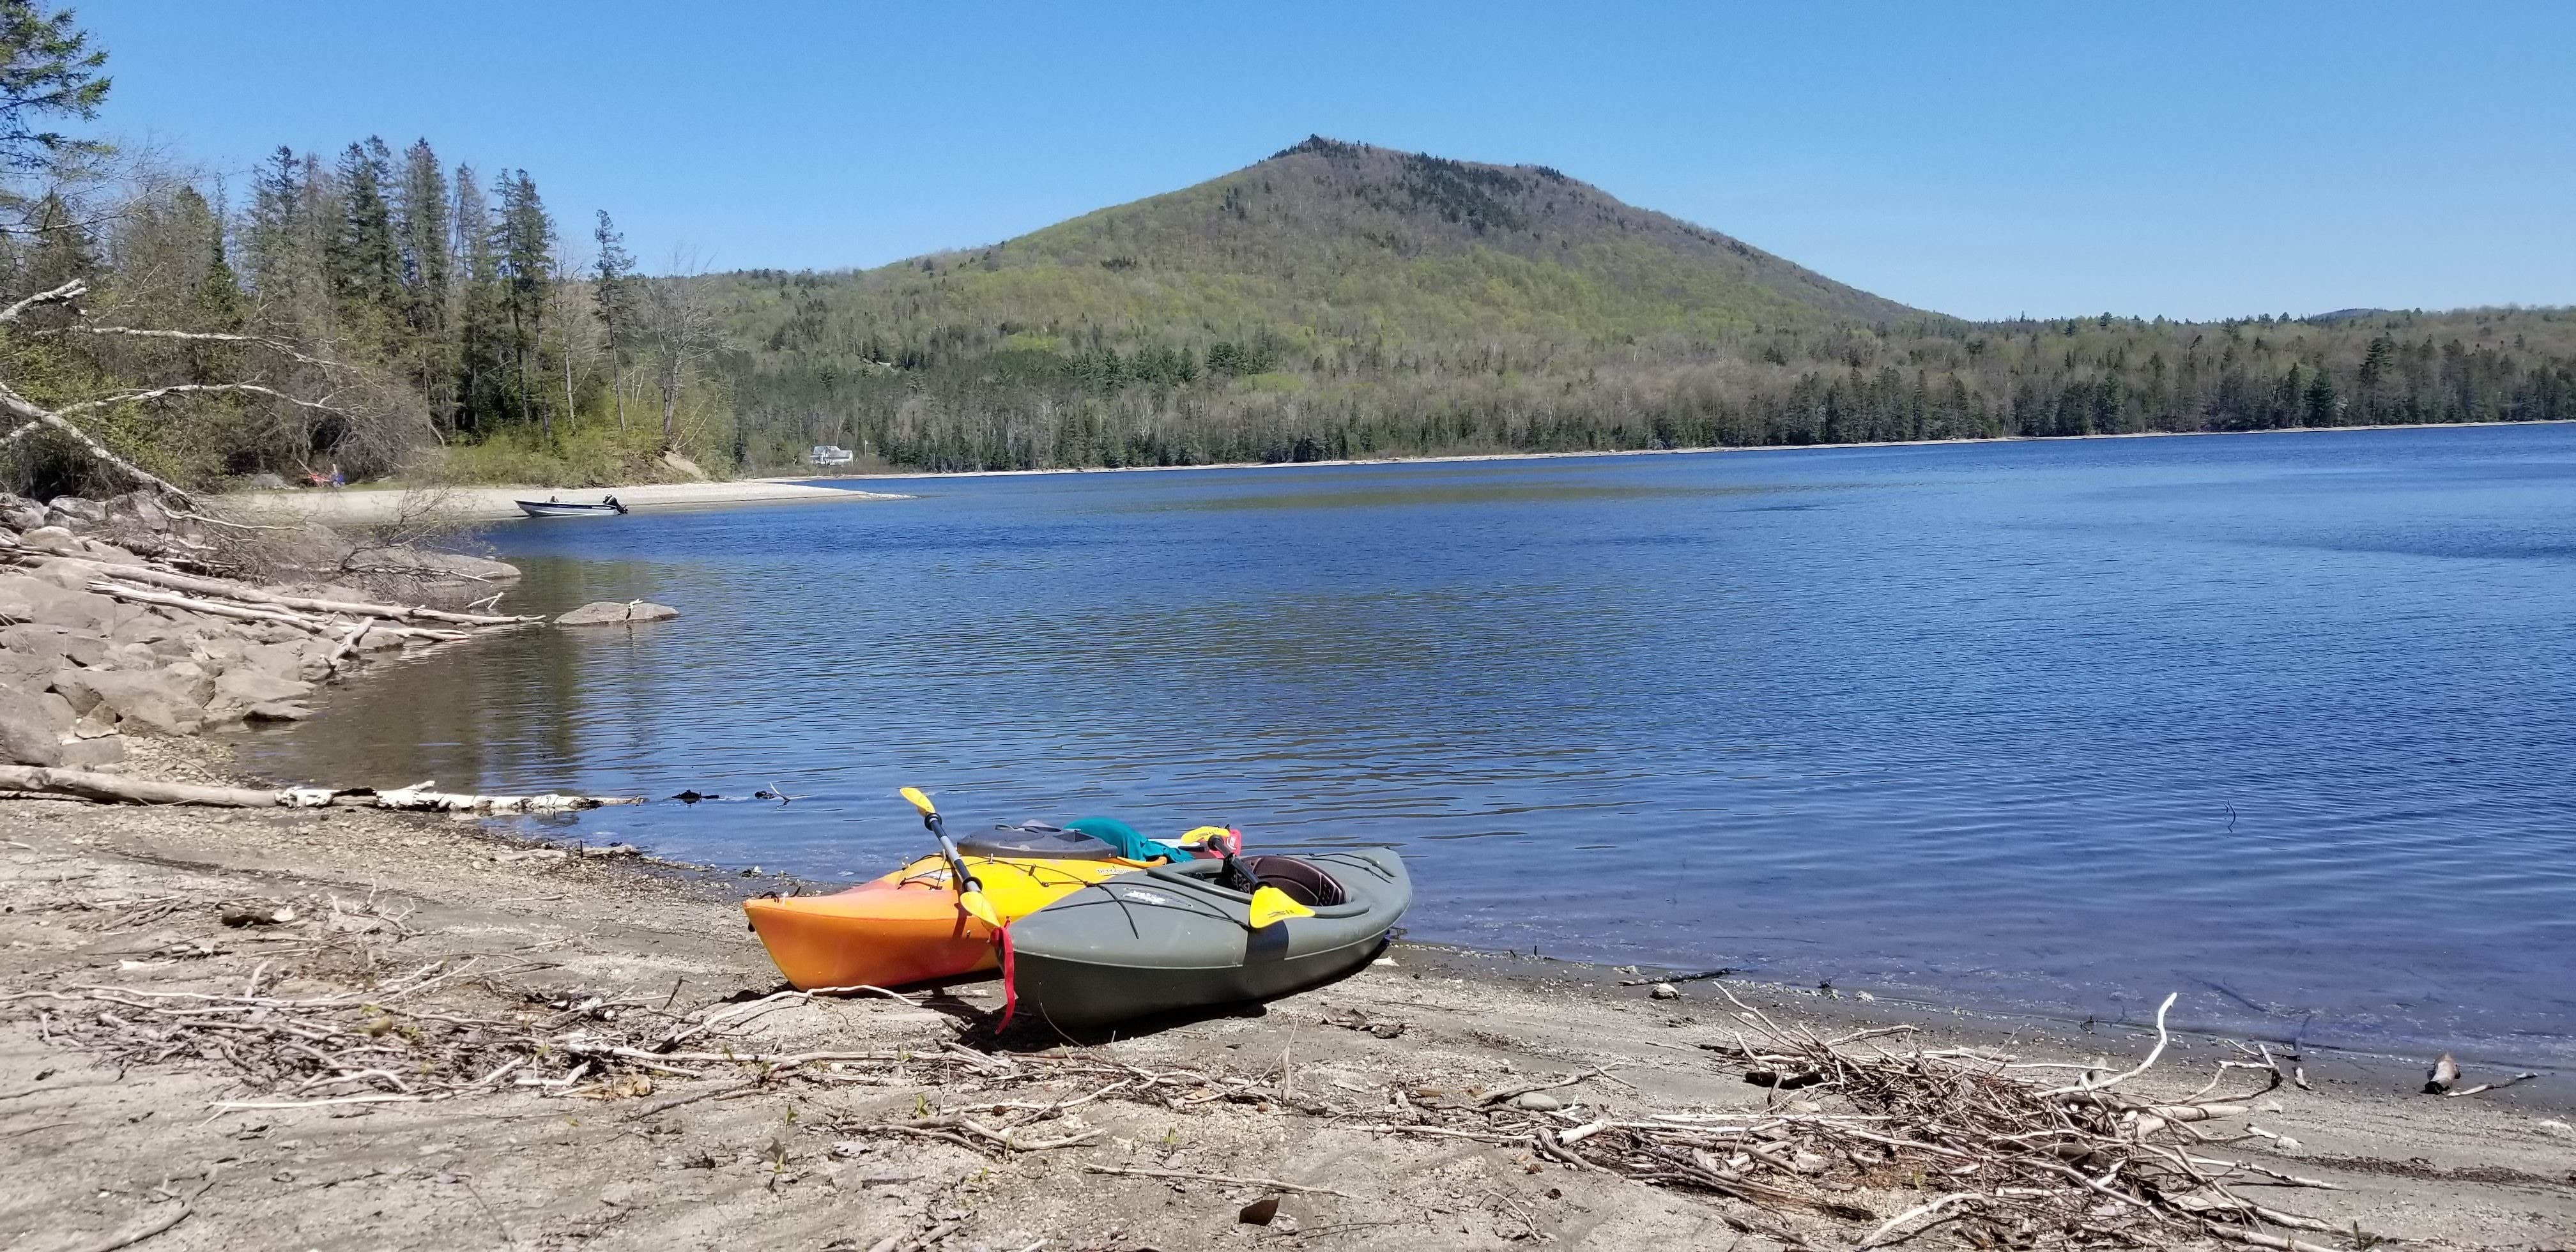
(1299, 880)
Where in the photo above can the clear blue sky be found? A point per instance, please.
(2184, 159)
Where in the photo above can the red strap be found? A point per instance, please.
(1010, 996)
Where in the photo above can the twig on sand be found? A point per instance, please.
(1132, 1171)
(137, 1233)
(1652, 979)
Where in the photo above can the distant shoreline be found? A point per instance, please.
(484, 504)
(1464, 457)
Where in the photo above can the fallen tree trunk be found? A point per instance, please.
(76, 784)
(249, 613)
(249, 595)
(82, 784)
(421, 797)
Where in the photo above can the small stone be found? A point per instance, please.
(1665, 991)
(1537, 1102)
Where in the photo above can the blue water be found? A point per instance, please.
(2281, 722)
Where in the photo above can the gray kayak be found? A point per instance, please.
(1172, 939)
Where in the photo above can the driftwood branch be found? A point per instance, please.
(127, 789)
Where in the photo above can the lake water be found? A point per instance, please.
(2286, 723)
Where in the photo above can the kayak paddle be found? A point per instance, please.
(970, 893)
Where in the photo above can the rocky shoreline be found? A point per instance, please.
(124, 618)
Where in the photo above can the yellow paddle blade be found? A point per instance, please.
(919, 801)
(1201, 834)
(1270, 904)
(979, 908)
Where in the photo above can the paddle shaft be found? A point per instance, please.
(948, 848)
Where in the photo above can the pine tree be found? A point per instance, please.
(613, 294)
(46, 67)
(365, 263)
(421, 224)
(525, 242)
(482, 338)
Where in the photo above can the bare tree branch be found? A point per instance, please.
(198, 336)
(37, 415)
(64, 294)
(322, 406)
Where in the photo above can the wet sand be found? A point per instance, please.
(101, 896)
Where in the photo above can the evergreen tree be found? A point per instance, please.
(613, 295)
(525, 242)
(269, 234)
(421, 224)
(364, 262)
(482, 335)
(46, 67)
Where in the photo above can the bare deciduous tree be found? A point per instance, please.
(678, 323)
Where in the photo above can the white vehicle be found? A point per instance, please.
(829, 454)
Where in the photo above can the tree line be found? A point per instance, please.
(1001, 397)
(374, 310)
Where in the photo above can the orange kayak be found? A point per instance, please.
(907, 926)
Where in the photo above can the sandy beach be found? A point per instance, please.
(364, 506)
(112, 1120)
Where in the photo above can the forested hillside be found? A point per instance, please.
(384, 311)
(1340, 300)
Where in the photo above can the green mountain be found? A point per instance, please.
(1334, 243)
(1341, 300)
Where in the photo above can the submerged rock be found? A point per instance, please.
(613, 613)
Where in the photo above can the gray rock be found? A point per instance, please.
(277, 660)
(1537, 1102)
(613, 613)
(58, 711)
(139, 508)
(1665, 991)
(50, 539)
(264, 481)
(150, 702)
(92, 549)
(92, 753)
(277, 711)
(222, 647)
(53, 645)
(249, 687)
(20, 513)
(26, 735)
(88, 511)
(36, 600)
(64, 574)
